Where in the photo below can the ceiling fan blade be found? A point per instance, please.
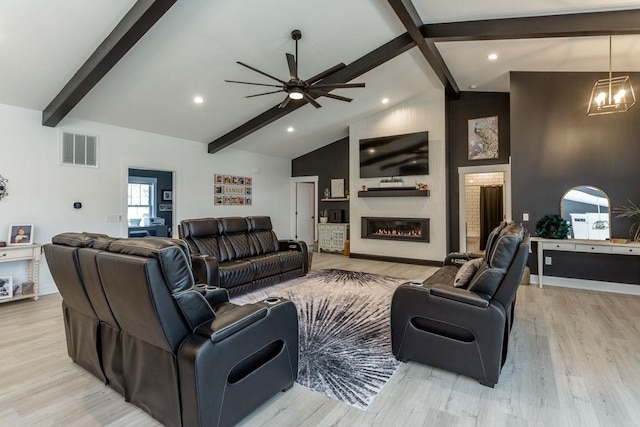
(265, 93)
(337, 86)
(261, 72)
(249, 83)
(285, 102)
(293, 66)
(330, 95)
(311, 101)
(325, 73)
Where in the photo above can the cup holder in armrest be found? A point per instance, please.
(416, 284)
(272, 300)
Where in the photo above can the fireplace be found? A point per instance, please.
(406, 229)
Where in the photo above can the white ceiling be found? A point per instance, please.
(195, 46)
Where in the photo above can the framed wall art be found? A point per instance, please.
(167, 195)
(483, 138)
(232, 190)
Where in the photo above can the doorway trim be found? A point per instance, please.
(462, 204)
(292, 198)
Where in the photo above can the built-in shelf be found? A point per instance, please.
(391, 192)
(335, 199)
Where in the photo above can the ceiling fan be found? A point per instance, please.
(296, 88)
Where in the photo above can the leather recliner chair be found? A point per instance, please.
(189, 356)
(463, 330)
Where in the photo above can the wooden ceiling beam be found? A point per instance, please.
(620, 22)
(408, 15)
(357, 68)
(135, 24)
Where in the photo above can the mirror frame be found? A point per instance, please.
(608, 213)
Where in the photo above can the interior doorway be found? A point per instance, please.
(484, 201)
(149, 202)
(304, 203)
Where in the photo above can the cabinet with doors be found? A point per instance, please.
(331, 237)
(20, 272)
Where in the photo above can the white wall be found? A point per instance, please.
(42, 192)
(422, 113)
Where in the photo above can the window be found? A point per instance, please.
(141, 198)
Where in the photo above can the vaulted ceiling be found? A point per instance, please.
(145, 61)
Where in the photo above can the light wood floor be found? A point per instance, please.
(574, 360)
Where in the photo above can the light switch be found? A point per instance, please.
(547, 260)
(525, 217)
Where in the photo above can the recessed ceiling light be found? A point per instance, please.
(473, 86)
(385, 100)
(493, 56)
(290, 129)
(198, 99)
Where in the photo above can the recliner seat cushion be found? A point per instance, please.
(266, 265)
(236, 272)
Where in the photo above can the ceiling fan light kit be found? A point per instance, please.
(296, 88)
(612, 95)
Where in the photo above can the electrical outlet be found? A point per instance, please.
(547, 260)
(114, 218)
(525, 217)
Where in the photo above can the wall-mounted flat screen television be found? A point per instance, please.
(396, 155)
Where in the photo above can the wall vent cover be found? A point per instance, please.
(78, 149)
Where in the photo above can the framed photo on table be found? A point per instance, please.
(21, 234)
(167, 195)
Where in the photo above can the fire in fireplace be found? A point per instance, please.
(407, 229)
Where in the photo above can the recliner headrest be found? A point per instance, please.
(259, 223)
(79, 240)
(173, 255)
(233, 225)
(203, 227)
(505, 246)
(491, 240)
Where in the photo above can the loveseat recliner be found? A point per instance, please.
(242, 254)
(180, 351)
(463, 329)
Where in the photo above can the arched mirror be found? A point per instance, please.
(587, 209)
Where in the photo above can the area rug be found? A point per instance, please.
(345, 336)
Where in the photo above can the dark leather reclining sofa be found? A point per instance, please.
(242, 254)
(135, 319)
(463, 329)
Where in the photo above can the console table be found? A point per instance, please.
(585, 246)
(29, 255)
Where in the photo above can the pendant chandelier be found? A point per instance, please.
(612, 95)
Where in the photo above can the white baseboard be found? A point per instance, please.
(590, 285)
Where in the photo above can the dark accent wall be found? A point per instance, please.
(165, 182)
(471, 105)
(329, 162)
(556, 146)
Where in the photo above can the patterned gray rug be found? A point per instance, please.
(345, 337)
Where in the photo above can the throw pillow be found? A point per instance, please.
(487, 280)
(466, 272)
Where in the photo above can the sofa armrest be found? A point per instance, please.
(300, 246)
(205, 269)
(231, 322)
(456, 258)
(460, 295)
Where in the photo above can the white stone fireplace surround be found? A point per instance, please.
(422, 113)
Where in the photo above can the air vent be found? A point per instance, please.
(78, 149)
